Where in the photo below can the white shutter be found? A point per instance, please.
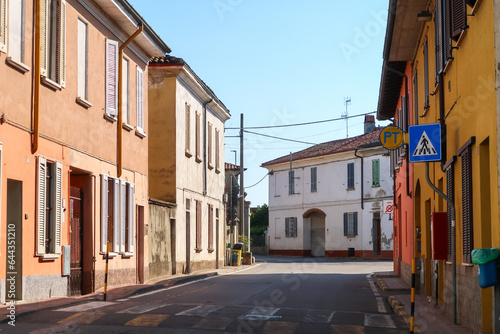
(104, 212)
(56, 203)
(15, 29)
(44, 25)
(3, 25)
(62, 44)
(125, 92)
(116, 215)
(111, 77)
(82, 59)
(130, 217)
(140, 113)
(0, 180)
(42, 205)
(123, 213)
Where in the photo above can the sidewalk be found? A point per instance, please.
(429, 318)
(117, 292)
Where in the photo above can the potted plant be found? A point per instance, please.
(246, 256)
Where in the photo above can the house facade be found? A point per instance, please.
(64, 192)
(327, 200)
(445, 64)
(186, 161)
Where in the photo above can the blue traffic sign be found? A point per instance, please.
(424, 142)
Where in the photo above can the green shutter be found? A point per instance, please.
(376, 173)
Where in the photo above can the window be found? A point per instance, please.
(3, 25)
(350, 224)
(53, 41)
(125, 92)
(442, 35)
(291, 227)
(415, 97)
(314, 179)
(198, 139)
(426, 74)
(210, 165)
(467, 215)
(458, 14)
(376, 173)
(117, 215)
(188, 130)
(198, 226)
(49, 199)
(111, 78)
(217, 151)
(82, 60)
(210, 227)
(140, 101)
(16, 30)
(291, 182)
(350, 175)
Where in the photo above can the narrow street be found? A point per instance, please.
(277, 295)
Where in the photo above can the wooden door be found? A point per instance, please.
(76, 232)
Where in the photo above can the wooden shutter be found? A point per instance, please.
(217, 149)
(450, 193)
(111, 77)
(467, 223)
(426, 74)
(287, 227)
(346, 223)
(376, 173)
(130, 217)
(355, 223)
(437, 39)
(350, 176)
(210, 227)
(123, 214)
(140, 102)
(116, 215)
(44, 36)
(104, 212)
(415, 98)
(3, 25)
(56, 204)
(458, 18)
(198, 125)
(209, 144)
(188, 127)
(314, 179)
(291, 182)
(293, 227)
(42, 205)
(446, 9)
(61, 43)
(198, 225)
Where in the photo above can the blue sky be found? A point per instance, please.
(278, 62)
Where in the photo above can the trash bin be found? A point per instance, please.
(486, 259)
(236, 254)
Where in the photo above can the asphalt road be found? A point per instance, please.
(280, 295)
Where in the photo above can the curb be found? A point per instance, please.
(399, 309)
(382, 285)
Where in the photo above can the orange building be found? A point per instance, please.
(72, 176)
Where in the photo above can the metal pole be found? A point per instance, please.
(412, 312)
(242, 184)
(106, 271)
(453, 240)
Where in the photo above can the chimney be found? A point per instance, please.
(369, 123)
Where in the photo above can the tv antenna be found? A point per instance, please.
(347, 102)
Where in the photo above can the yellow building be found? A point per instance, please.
(450, 46)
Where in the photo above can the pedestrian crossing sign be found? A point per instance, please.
(425, 142)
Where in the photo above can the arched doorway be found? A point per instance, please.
(314, 231)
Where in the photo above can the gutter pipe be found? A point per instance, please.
(362, 181)
(120, 89)
(36, 83)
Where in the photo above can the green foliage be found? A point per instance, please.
(257, 230)
(246, 242)
(260, 217)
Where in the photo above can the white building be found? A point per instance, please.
(327, 200)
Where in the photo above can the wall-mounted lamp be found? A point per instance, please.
(424, 16)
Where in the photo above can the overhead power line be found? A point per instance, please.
(253, 185)
(292, 140)
(307, 123)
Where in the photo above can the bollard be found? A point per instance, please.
(106, 271)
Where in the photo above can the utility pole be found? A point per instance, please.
(243, 219)
(347, 101)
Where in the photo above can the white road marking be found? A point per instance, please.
(330, 317)
(380, 301)
(379, 320)
(86, 306)
(143, 308)
(122, 300)
(201, 311)
(381, 305)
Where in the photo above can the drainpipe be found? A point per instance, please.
(362, 182)
(120, 88)
(205, 124)
(36, 83)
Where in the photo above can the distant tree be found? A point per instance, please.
(259, 220)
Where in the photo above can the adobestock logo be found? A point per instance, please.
(223, 6)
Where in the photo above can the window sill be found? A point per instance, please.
(198, 250)
(84, 103)
(476, 6)
(210, 166)
(49, 257)
(468, 264)
(50, 84)
(460, 38)
(210, 250)
(127, 127)
(111, 254)
(188, 154)
(17, 65)
(350, 236)
(139, 133)
(376, 186)
(127, 255)
(110, 118)
(198, 159)
(217, 170)
(350, 189)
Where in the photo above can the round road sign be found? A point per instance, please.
(392, 137)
